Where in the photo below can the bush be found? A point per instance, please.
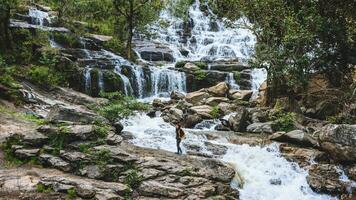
(133, 179)
(284, 121)
(43, 189)
(43, 76)
(200, 74)
(120, 106)
(180, 64)
(72, 192)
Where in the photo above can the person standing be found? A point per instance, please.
(179, 137)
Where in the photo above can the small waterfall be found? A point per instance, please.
(164, 81)
(39, 17)
(230, 79)
(101, 81)
(87, 80)
(259, 75)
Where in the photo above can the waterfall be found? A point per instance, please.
(230, 79)
(259, 75)
(258, 166)
(39, 17)
(163, 81)
(87, 77)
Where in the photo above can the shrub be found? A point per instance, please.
(43, 189)
(180, 64)
(237, 75)
(120, 106)
(72, 192)
(284, 121)
(200, 74)
(102, 157)
(133, 179)
(43, 76)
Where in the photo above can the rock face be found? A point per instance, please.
(339, 141)
(296, 137)
(258, 127)
(238, 122)
(244, 95)
(204, 111)
(219, 90)
(325, 178)
(196, 97)
(153, 52)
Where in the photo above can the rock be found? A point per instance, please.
(204, 111)
(91, 171)
(173, 115)
(326, 108)
(56, 162)
(216, 149)
(265, 127)
(351, 172)
(75, 97)
(26, 153)
(157, 189)
(326, 178)
(191, 120)
(80, 132)
(339, 141)
(226, 108)
(100, 38)
(118, 127)
(219, 90)
(191, 66)
(177, 95)
(126, 135)
(151, 51)
(157, 103)
(296, 137)
(72, 156)
(303, 156)
(76, 114)
(34, 138)
(238, 122)
(244, 95)
(214, 101)
(113, 139)
(259, 115)
(196, 97)
(228, 66)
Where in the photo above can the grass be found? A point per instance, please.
(72, 193)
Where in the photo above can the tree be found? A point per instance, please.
(134, 15)
(5, 12)
(298, 37)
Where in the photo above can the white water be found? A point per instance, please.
(230, 79)
(38, 16)
(210, 37)
(259, 167)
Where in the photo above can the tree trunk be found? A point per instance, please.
(130, 29)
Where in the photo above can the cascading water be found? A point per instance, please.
(266, 174)
(230, 79)
(164, 81)
(39, 17)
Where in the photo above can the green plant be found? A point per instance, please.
(186, 172)
(133, 179)
(180, 64)
(284, 121)
(102, 157)
(101, 131)
(200, 74)
(43, 189)
(72, 192)
(43, 76)
(35, 119)
(56, 141)
(10, 158)
(237, 75)
(215, 112)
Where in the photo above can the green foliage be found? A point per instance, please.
(180, 64)
(215, 113)
(56, 141)
(72, 193)
(200, 74)
(115, 45)
(67, 40)
(237, 75)
(133, 179)
(35, 119)
(180, 8)
(41, 188)
(10, 158)
(120, 106)
(200, 64)
(102, 131)
(186, 172)
(284, 121)
(102, 157)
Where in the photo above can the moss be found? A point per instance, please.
(215, 113)
(112, 82)
(200, 74)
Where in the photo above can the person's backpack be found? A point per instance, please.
(181, 134)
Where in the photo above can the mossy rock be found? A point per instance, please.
(112, 82)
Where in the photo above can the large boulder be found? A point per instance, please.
(191, 120)
(244, 95)
(339, 141)
(173, 115)
(196, 97)
(297, 137)
(214, 101)
(260, 127)
(77, 114)
(219, 90)
(191, 66)
(204, 111)
(153, 51)
(177, 95)
(238, 122)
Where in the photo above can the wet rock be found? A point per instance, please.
(157, 103)
(153, 51)
(191, 120)
(275, 181)
(113, 139)
(339, 141)
(265, 127)
(126, 135)
(238, 122)
(244, 95)
(227, 66)
(325, 178)
(215, 148)
(196, 97)
(191, 66)
(214, 101)
(226, 108)
(60, 113)
(303, 156)
(53, 161)
(296, 137)
(204, 111)
(219, 90)
(351, 172)
(177, 95)
(118, 127)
